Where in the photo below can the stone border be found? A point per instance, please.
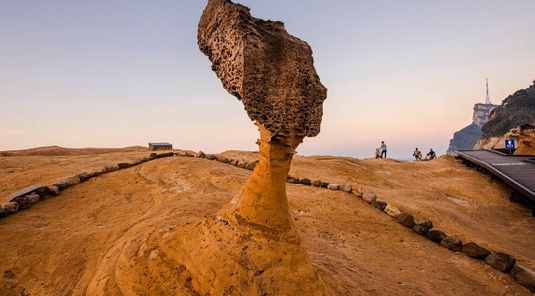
(506, 263)
(24, 198)
(500, 261)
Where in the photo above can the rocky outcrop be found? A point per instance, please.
(526, 140)
(514, 119)
(466, 138)
(269, 70)
(524, 136)
(251, 246)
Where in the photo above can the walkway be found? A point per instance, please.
(516, 170)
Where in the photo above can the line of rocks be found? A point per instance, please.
(239, 163)
(24, 198)
(506, 263)
(500, 261)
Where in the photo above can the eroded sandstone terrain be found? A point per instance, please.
(58, 245)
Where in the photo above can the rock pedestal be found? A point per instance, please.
(250, 246)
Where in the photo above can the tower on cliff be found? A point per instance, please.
(466, 138)
(487, 100)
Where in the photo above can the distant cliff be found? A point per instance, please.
(466, 138)
(514, 119)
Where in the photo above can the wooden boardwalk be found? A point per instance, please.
(516, 170)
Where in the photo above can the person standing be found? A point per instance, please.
(383, 149)
(417, 155)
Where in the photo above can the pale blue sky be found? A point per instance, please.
(119, 73)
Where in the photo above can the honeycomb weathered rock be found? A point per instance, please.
(269, 70)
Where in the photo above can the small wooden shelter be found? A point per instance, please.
(160, 146)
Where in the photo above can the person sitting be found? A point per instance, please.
(432, 154)
(377, 153)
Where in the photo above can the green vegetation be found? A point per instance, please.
(516, 109)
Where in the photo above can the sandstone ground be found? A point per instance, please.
(58, 245)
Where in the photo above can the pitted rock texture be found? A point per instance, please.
(269, 70)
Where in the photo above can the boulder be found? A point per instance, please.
(241, 164)
(201, 154)
(324, 184)
(43, 192)
(33, 198)
(169, 154)
(61, 185)
(24, 202)
(392, 211)
(435, 235)
(452, 243)
(189, 154)
(22, 192)
(475, 251)
(306, 181)
(500, 261)
(54, 189)
(369, 196)
(333, 186)
(292, 180)
(123, 165)
(316, 182)
(223, 159)
(84, 176)
(234, 162)
(98, 173)
(11, 207)
(111, 168)
(211, 157)
(4, 213)
(71, 181)
(153, 155)
(381, 205)
(524, 276)
(346, 187)
(422, 227)
(250, 166)
(406, 219)
(358, 190)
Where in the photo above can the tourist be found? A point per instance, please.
(431, 154)
(417, 155)
(383, 149)
(377, 153)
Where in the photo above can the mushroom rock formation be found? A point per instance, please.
(269, 70)
(251, 246)
(272, 73)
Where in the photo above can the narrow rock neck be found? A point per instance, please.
(262, 202)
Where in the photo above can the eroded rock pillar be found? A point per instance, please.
(262, 203)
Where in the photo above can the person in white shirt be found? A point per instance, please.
(383, 149)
